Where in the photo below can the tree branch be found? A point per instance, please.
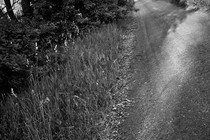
(10, 10)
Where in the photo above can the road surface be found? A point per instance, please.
(171, 86)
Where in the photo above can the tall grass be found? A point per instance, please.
(81, 100)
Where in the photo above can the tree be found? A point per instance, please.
(10, 10)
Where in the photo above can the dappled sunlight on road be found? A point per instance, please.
(171, 65)
(175, 61)
(175, 57)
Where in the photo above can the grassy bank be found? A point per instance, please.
(81, 100)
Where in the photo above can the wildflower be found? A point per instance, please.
(36, 45)
(13, 93)
(47, 57)
(27, 62)
(70, 35)
(55, 49)
(45, 101)
(33, 92)
(79, 14)
(65, 43)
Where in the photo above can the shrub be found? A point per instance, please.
(24, 48)
(182, 3)
(15, 50)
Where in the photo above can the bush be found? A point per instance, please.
(182, 3)
(23, 49)
(16, 49)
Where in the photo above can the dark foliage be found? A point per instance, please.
(34, 43)
(182, 3)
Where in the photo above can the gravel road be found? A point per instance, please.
(171, 86)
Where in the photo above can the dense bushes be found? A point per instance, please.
(15, 50)
(34, 44)
(182, 3)
(24, 49)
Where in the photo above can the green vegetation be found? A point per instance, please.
(201, 3)
(29, 39)
(82, 99)
(62, 70)
(196, 3)
(182, 3)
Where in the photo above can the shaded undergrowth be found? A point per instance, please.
(84, 99)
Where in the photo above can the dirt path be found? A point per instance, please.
(172, 82)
